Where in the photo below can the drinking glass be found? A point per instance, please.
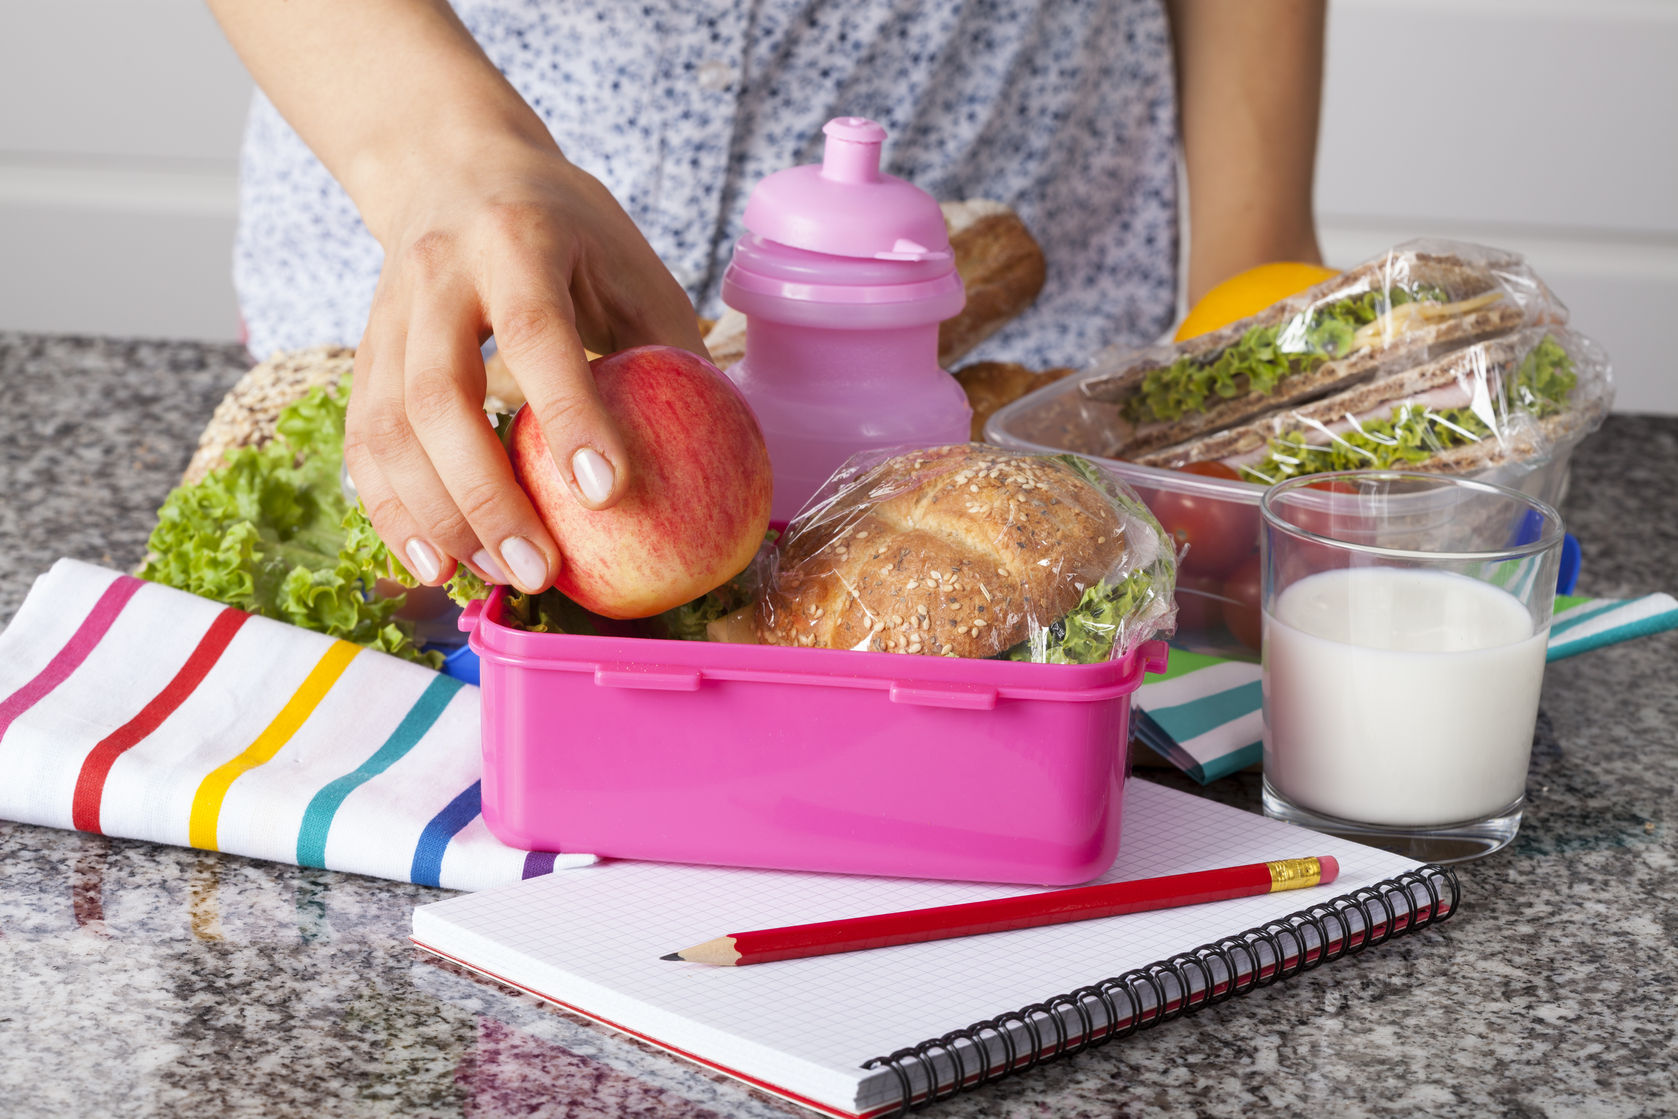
(1405, 623)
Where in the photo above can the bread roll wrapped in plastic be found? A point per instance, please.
(970, 550)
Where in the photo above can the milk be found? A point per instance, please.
(1399, 697)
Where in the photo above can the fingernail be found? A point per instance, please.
(423, 560)
(593, 474)
(485, 563)
(530, 569)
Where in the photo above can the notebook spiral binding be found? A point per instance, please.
(1170, 988)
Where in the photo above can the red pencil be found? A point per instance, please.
(1054, 907)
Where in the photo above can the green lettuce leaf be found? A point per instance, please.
(1412, 434)
(688, 621)
(266, 533)
(1087, 633)
(1265, 355)
(362, 542)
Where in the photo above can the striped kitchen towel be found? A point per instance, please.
(1203, 714)
(132, 709)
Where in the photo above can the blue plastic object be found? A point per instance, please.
(461, 663)
(1572, 559)
(1530, 529)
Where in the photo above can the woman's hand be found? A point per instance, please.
(487, 229)
(520, 244)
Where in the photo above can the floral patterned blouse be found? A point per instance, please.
(1062, 109)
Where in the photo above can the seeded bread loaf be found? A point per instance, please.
(990, 385)
(952, 551)
(247, 414)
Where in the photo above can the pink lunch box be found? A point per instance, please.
(803, 759)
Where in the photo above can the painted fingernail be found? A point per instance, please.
(485, 563)
(593, 473)
(530, 569)
(423, 560)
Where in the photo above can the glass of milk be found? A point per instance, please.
(1405, 623)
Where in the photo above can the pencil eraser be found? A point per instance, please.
(1330, 869)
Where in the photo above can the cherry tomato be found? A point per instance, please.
(1332, 517)
(1211, 469)
(1218, 531)
(1242, 593)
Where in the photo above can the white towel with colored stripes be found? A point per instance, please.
(1203, 714)
(136, 710)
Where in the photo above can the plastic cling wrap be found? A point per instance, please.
(1516, 397)
(1404, 309)
(971, 551)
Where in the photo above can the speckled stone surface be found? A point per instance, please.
(140, 980)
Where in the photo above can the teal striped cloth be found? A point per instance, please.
(134, 709)
(1203, 714)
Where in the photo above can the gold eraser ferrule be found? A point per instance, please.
(1294, 874)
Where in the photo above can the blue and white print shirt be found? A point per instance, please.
(1061, 109)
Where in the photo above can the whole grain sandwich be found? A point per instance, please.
(1513, 396)
(1395, 311)
(972, 551)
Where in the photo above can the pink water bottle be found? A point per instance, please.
(843, 275)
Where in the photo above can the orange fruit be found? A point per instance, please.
(1248, 293)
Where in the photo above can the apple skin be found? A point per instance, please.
(697, 504)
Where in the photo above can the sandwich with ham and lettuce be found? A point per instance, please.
(1436, 356)
(1512, 396)
(1392, 312)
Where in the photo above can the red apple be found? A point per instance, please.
(697, 504)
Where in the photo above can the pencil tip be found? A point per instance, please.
(672, 956)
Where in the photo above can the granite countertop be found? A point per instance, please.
(144, 980)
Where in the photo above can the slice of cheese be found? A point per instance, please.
(737, 628)
(1408, 316)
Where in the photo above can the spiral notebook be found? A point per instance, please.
(868, 1033)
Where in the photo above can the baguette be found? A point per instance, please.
(1001, 267)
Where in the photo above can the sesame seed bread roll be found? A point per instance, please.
(953, 551)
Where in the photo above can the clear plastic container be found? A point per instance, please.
(804, 759)
(1217, 591)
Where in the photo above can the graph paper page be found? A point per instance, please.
(591, 938)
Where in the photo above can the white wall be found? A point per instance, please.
(119, 141)
(1546, 126)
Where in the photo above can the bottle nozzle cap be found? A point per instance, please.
(852, 151)
(847, 206)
